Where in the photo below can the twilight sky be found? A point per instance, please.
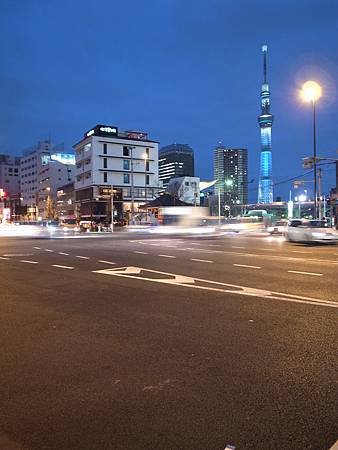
(186, 71)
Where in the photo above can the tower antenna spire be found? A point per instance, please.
(265, 51)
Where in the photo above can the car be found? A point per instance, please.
(278, 228)
(310, 231)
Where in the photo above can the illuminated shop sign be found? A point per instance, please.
(102, 130)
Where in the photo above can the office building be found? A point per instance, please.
(265, 120)
(110, 161)
(10, 174)
(175, 160)
(231, 175)
(43, 169)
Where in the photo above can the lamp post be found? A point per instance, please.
(311, 92)
(145, 157)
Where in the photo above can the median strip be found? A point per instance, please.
(306, 273)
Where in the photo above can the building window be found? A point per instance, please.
(126, 178)
(104, 149)
(147, 179)
(126, 164)
(147, 166)
(105, 177)
(147, 152)
(104, 163)
(125, 150)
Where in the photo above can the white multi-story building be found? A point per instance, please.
(43, 170)
(108, 161)
(9, 174)
(186, 189)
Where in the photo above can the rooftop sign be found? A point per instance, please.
(102, 130)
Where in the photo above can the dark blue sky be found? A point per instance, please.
(185, 71)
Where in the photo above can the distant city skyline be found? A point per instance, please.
(182, 73)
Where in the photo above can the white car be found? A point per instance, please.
(308, 231)
(278, 228)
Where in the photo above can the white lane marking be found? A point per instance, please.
(213, 245)
(82, 257)
(188, 282)
(171, 246)
(48, 250)
(28, 262)
(201, 260)
(167, 256)
(245, 265)
(195, 243)
(306, 273)
(141, 253)
(37, 248)
(334, 446)
(300, 251)
(62, 267)
(105, 262)
(2, 257)
(236, 246)
(62, 253)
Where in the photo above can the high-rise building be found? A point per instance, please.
(231, 175)
(175, 160)
(116, 170)
(265, 120)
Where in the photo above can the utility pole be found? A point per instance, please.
(112, 207)
(132, 186)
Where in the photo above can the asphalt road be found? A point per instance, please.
(131, 342)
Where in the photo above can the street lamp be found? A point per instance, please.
(311, 92)
(145, 157)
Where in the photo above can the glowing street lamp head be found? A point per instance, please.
(311, 91)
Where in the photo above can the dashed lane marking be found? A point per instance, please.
(300, 251)
(82, 257)
(237, 246)
(105, 262)
(63, 253)
(62, 267)
(245, 265)
(167, 256)
(201, 260)
(141, 253)
(28, 262)
(306, 273)
(37, 248)
(2, 257)
(48, 250)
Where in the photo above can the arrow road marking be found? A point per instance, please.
(209, 285)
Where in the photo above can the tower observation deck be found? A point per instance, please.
(265, 120)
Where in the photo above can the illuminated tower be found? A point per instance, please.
(265, 120)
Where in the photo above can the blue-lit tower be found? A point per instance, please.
(265, 120)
